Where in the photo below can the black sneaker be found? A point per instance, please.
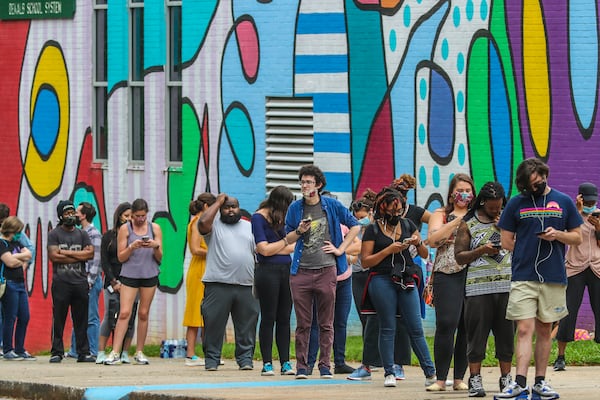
(476, 386)
(343, 369)
(88, 358)
(559, 364)
(55, 359)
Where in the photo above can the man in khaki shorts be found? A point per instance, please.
(536, 225)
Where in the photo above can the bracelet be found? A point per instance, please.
(285, 240)
(298, 232)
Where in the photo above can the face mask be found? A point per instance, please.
(309, 193)
(462, 198)
(70, 221)
(364, 221)
(17, 236)
(589, 210)
(539, 189)
(391, 219)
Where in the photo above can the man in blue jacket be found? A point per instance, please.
(318, 258)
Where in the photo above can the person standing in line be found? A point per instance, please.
(272, 278)
(69, 248)
(85, 213)
(536, 225)
(194, 288)
(449, 284)
(583, 270)
(477, 244)
(319, 256)
(140, 250)
(228, 282)
(15, 302)
(112, 287)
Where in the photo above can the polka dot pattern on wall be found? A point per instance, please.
(406, 16)
(392, 39)
(445, 49)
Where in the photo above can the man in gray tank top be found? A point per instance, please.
(228, 282)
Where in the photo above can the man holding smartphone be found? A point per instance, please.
(538, 290)
(583, 270)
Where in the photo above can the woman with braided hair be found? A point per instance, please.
(385, 251)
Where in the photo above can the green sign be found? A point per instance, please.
(40, 9)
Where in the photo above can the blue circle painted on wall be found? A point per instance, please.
(456, 16)
(469, 9)
(460, 63)
(461, 154)
(483, 10)
(393, 41)
(422, 176)
(445, 49)
(422, 134)
(423, 89)
(45, 121)
(407, 16)
(460, 101)
(435, 176)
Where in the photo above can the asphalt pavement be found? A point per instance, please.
(170, 379)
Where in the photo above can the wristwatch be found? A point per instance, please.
(298, 232)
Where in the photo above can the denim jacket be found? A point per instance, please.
(336, 214)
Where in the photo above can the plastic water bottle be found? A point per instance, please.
(162, 349)
(171, 348)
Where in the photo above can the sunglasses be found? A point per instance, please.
(357, 205)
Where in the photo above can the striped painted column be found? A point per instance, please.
(321, 71)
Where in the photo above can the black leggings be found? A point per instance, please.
(449, 294)
(272, 285)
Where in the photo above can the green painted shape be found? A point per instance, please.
(478, 121)
(499, 31)
(367, 80)
(241, 137)
(180, 189)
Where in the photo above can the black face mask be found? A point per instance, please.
(391, 219)
(231, 219)
(539, 190)
(70, 221)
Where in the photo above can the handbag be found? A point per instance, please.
(428, 292)
(2, 281)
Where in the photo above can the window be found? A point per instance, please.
(100, 102)
(136, 79)
(289, 140)
(174, 74)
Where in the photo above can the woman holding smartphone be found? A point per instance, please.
(140, 250)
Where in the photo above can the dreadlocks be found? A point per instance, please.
(489, 191)
(387, 196)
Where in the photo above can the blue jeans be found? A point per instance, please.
(93, 329)
(389, 299)
(343, 303)
(15, 309)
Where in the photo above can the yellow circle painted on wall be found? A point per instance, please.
(49, 112)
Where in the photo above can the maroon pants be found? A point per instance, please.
(317, 285)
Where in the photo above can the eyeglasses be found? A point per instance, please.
(357, 205)
(306, 182)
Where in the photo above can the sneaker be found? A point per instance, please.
(476, 386)
(429, 380)
(343, 369)
(504, 381)
(88, 358)
(325, 373)
(125, 357)
(544, 391)
(513, 391)
(194, 361)
(361, 373)
(247, 367)
(12, 356)
(435, 387)
(301, 373)
(71, 355)
(559, 364)
(221, 362)
(267, 370)
(112, 359)
(286, 369)
(210, 368)
(140, 358)
(26, 356)
(398, 372)
(101, 357)
(390, 381)
(461, 386)
(55, 359)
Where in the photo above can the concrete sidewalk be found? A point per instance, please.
(171, 379)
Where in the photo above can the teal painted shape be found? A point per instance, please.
(366, 76)
(117, 42)
(196, 17)
(81, 195)
(239, 133)
(155, 38)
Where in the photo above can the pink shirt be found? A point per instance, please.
(586, 255)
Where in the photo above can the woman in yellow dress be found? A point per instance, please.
(192, 317)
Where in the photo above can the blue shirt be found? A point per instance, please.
(336, 214)
(536, 259)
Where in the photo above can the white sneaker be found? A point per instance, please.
(113, 359)
(101, 357)
(140, 358)
(390, 381)
(194, 361)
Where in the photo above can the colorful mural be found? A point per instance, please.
(428, 87)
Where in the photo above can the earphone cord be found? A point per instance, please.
(539, 246)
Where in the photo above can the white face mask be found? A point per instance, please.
(309, 193)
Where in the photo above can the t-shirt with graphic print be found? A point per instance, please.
(535, 259)
(13, 247)
(313, 256)
(77, 239)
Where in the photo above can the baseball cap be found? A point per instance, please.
(589, 191)
(63, 206)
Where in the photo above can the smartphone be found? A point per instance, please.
(145, 238)
(596, 214)
(407, 240)
(305, 220)
(540, 233)
(497, 246)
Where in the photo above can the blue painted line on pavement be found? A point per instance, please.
(122, 392)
